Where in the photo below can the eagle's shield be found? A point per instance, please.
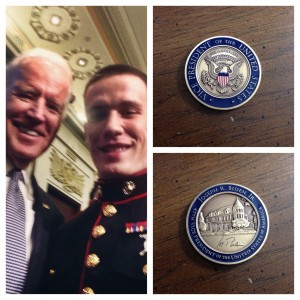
(223, 79)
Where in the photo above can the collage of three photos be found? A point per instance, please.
(222, 146)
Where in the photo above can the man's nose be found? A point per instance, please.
(38, 110)
(113, 125)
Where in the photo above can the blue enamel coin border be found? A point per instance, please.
(218, 102)
(211, 254)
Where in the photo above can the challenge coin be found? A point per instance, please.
(227, 223)
(223, 72)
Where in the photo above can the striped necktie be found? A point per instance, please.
(16, 264)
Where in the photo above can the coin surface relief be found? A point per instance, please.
(223, 72)
(227, 223)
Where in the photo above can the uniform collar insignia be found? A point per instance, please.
(121, 189)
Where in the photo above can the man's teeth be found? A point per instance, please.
(28, 131)
(115, 148)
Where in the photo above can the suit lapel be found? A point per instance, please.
(39, 242)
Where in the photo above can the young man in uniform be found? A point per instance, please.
(103, 251)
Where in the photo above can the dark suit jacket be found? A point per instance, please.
(47, 218)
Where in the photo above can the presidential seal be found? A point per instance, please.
(222, 72)
(227, 223)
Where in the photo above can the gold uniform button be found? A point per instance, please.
(45, 205)
(51, 271)
(109, 210)
(145, 269)
(98, 231)
(92, 260)
(87, 290)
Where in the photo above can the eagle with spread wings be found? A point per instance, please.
(222, 75)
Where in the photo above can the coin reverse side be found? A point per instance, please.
(223, 72)
(227, 223)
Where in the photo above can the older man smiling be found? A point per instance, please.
(38, 88)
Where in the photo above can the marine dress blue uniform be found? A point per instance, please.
(103, 251)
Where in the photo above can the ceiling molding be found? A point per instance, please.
(16, 40)
(124, 32)
(123, 38)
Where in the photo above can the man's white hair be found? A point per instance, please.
(44, 54)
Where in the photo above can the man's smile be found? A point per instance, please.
(29, 130)
(115, 147)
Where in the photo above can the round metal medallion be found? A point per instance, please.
(227, 223)
(223, 72)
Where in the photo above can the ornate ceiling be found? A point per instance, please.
(87, 37)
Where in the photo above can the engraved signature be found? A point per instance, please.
(228, 242)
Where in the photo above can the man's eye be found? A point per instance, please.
(23, 95)
(130, 112)
(95, 115)
(54, 108)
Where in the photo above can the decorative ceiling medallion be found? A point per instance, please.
(55, 23)
(92, 62)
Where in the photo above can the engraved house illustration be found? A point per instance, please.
(239, 216)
